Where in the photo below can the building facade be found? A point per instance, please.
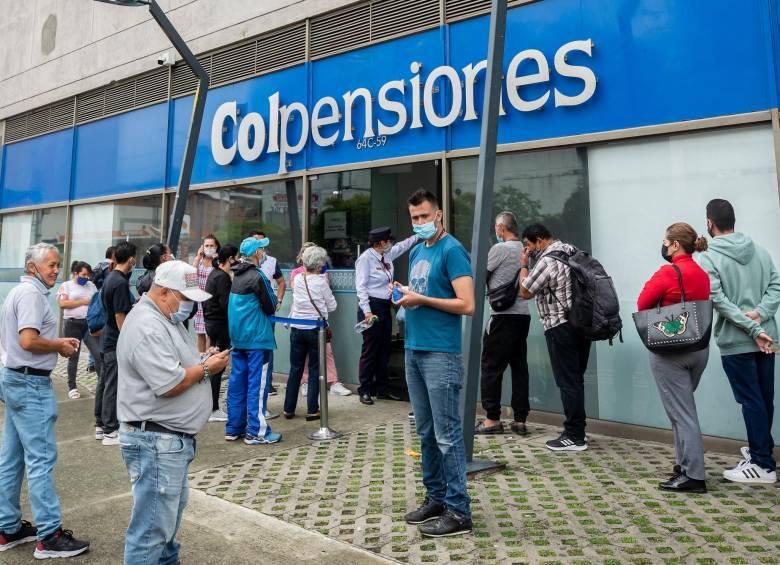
(619, 117)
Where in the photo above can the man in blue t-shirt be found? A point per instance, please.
(440, 291)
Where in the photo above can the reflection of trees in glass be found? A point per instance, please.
(233, 230)
(358, 209)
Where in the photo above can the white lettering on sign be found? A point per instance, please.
(248, 136)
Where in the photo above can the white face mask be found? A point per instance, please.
(387, 247)
(183, 313)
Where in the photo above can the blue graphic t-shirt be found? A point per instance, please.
(431, 272)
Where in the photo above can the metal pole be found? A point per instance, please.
(324, 433)
(174, 230)
(482, 218)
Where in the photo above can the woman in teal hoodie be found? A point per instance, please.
(745, 289)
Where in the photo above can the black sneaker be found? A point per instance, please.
(683, 483)
(448, 524)
(26, 533)
(60, 544)
(565, 442)
(430, 510)
(272, 391)
(519, 428)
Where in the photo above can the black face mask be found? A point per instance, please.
(709, 230)
(534, 255)
(665, 253)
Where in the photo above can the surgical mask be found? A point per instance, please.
(209, 251)
(665, 253)
(81, 281)
(184, 311)
(38, 276)
(499, 239)
(425, 231)
(262, 259)
(387, 247)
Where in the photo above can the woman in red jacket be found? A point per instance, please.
(677, 374)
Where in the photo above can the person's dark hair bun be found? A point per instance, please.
(701, 244)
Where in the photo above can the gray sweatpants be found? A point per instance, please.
(677, 376)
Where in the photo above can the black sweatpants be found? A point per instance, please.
(78, 328)
(219, 336)
(375, 355)
(569, 353)
(504, 344)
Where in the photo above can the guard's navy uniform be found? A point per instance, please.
(373, 277)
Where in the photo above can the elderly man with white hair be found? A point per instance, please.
(28, 335)
(163, 400)
(312, 300)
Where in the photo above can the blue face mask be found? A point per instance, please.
(425, 231)
(184, 311)
(499, 239)
(81, 281)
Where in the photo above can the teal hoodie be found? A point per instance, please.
(742, 278)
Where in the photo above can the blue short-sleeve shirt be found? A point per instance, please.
(431, 272)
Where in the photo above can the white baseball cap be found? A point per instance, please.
(178, 275)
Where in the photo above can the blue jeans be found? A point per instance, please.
(303, 343)
(752, 379)
(157, 464)
(28, 440)
(434, 380)
(247, 393)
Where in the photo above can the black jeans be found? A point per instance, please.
(78, 329)
(569, 353)
(375, 355)
(220, 337)
(303, 343)
(504, 344)
(105, 395)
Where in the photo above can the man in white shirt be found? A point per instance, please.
(373, 278)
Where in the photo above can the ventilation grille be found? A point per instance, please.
(151, 87)
(90, 106)
(39, 121)
(462, 9)
(62, 114)
(234, 64)
(340, 31)
(282, 48)
(395, 17)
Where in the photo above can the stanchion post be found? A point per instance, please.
(324, 433)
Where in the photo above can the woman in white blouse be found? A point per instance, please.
(312, 300)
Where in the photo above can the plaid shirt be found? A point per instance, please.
(550, 282)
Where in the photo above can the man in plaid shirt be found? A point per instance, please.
(550, 283)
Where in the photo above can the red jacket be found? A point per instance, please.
(664, 285)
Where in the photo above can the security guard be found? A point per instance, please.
(373, 279)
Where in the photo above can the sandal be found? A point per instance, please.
(312, 417)
(482, 429)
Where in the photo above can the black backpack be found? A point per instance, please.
(595, 310)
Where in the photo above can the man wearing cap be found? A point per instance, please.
(163, 400)
(252, 301)
(373, 279)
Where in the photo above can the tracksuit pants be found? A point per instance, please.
(247, 393)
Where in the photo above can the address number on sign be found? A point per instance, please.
(371, 142)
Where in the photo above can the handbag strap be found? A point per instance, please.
(679, 280)
(306, 284)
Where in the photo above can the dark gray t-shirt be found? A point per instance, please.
(152, 354)
(504, 261)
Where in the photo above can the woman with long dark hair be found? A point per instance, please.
(156, 255)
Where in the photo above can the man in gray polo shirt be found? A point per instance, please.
(163, 400)
(28, 336)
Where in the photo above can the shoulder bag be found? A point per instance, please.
(328, 332)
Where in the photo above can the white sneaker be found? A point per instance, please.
(271, 415)
(74, 394)
(304, 389)
(111, 439)
(339, 389)
(218, 416)
(98, 433)
(748, 472)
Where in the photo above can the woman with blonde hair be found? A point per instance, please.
(677, 373)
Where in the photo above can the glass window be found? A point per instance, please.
(346, 205)
(231, 214)
(97, 226)
(21, 230)
(550, 187)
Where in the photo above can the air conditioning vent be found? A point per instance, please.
(340, 31)
(152, 87)
(62, 115)
(119, 98)
(459, 9)
(183, 80)
(281, 49)
(395, 17)
(38, 122)
(16, 128)
(90, 106)
(233, 64)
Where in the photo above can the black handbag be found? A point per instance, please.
(503, 297)
(685, 326)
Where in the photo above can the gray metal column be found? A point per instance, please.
(483, 211)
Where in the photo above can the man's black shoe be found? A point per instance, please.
(25, 534)
(388, 396)
(60, 544)
(429, 510)
(366, 399)
(448, 524)
(519, 428)
(681, 483)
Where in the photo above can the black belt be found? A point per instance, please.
(31, 371)
(148, 426)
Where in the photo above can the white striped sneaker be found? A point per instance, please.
(566, 443)
(748, 472)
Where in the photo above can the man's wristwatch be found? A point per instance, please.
(206, 372)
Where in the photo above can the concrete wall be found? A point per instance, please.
(52, 49)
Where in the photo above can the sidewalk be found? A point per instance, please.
(297, 502)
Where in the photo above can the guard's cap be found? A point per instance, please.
(379, 234)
